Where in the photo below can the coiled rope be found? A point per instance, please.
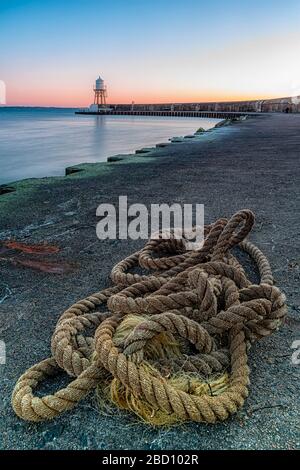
(172, 345)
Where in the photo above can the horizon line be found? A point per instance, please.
(152, 104)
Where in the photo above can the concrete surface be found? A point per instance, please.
(252, 164)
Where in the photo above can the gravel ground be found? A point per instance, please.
(253, 164)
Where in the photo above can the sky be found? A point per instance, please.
(151, 51)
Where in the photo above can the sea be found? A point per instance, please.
(40, 142)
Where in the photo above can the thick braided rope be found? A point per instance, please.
(199, 298)
(157, 391)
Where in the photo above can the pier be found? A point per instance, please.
(195, 114)
(218, 110)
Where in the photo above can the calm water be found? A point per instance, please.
(43, 142)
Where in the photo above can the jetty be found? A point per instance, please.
(218, 110)
(192, 114)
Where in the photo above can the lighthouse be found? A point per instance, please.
(100, 94)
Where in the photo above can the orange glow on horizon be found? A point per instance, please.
(61, 98)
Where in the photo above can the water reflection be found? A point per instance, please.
(37, 142)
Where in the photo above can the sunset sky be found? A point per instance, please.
(148, 51)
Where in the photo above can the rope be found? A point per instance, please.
(171, 345)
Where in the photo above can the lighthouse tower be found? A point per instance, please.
(100, 93)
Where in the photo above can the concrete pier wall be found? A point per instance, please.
(291, 105)
(157, 112)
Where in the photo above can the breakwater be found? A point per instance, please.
(157, 112)
(220, 110)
